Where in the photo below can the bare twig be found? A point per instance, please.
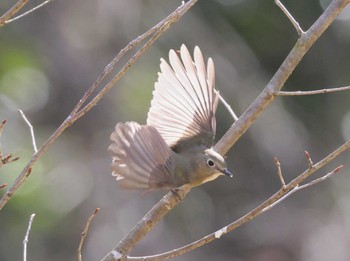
(3, 185)
(13, 10)
(26, 237)
(278, 197)
(84, 233)
(6, 20)
(308, 158)
(30, 128)
(279, 173)
(302, 93)
(228, 107)
(290, 17)
(76, 113)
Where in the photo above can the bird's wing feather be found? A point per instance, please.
(140, 157)
(184, 101)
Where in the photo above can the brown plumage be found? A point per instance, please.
(174, 148)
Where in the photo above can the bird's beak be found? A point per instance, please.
(227, 173)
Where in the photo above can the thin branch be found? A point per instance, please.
(75, 115)
(279, 173)
(12, 11)
(84, 233)
(278, 197)
(8, 20)
(30, 128)
(327, 176)
(302, 93)
(26, 237)
(3, 185)
(290, 17)
(228, 107)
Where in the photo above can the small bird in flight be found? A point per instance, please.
(175, 147)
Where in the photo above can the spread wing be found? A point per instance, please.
(141, 158)
(184, 101)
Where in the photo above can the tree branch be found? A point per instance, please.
(75, 114)
(237, 129)
(303, 44)
(167, 203)
(278, 197)
(6, 18)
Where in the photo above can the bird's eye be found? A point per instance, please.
(210, 163)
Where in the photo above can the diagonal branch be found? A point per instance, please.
(84, 233)
(75, 114)
(278, 197)
(303, 44)
(7, 17)
(12, 11)
(237, 129)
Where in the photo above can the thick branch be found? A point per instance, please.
(303, 44)
(278, 197)
(167, 203)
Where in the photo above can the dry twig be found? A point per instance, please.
(84, 233)
(26, 237)
(7, 17)
(279, 173)
(302, 93)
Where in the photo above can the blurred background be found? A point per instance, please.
(50, 58)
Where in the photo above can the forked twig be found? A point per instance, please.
(7, 17)
(84, 233)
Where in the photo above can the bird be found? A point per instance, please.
(175, 146)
